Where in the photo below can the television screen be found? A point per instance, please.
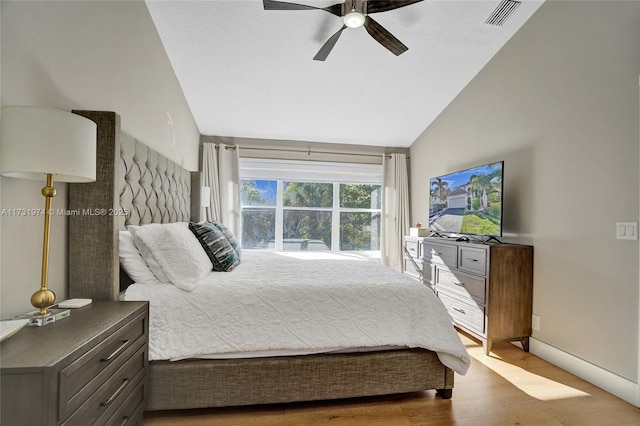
(467, 202)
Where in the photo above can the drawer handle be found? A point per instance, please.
(116, 352)
(459, 310)
(124, 384)
(125, 419)
(458, 283)
(471, 259)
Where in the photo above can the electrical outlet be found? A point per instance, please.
(535, 322)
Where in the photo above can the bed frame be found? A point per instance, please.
(149, 188)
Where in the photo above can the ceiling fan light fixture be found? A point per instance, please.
(353, 19)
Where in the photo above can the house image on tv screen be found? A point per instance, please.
(468, 201)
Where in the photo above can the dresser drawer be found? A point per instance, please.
(107, 399)
(441, 253)
(465, 285)
(470, 316)
(410, 270)
(97, 365)
(413, 247)
(473, 260)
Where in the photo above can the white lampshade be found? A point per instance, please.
(35, 141)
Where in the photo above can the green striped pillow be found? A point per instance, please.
(230, 237)
(223, 256)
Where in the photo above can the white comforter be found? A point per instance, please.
(297, 302)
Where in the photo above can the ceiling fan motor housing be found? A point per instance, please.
(359, 6)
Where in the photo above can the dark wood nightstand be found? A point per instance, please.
(89, 368)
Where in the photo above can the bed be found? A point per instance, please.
(137, 186)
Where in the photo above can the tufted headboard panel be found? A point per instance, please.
(134, 186)
(153, 189)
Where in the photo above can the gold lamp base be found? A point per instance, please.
(42, 299)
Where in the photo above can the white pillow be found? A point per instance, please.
(175, 250)
(132, 262)
(147, 255)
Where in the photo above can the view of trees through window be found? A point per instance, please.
(292, 215)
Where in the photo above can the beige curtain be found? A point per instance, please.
(221, 174)
(395, 210)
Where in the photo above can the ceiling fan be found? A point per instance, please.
(355, 14)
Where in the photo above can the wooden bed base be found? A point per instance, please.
(152, 189)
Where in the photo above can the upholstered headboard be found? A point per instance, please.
(134, 185)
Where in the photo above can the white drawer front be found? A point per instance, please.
(410, 269)
(473, 260)
(441, 253)
(413, 248)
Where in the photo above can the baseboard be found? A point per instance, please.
(623, 388)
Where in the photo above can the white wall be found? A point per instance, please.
(96, 55)
(559, 104)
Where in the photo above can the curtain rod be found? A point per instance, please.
(308, 151)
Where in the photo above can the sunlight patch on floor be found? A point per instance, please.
(532, 384)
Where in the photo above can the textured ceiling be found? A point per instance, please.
(249, 73)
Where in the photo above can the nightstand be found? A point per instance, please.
(89, 368)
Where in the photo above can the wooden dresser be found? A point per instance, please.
(486, 288)
(89, 368)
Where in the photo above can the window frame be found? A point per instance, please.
(316, 172)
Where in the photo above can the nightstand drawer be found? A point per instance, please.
(97, 365)
(438, 253)
(130, 412)
(108, 398)
(471, 316)
(465, 285)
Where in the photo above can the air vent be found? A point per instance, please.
(502, 12)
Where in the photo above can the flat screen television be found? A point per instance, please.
(467, 202)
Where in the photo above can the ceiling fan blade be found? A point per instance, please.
(375, 6)
(335, 9)
(384, 37)
(328, 46)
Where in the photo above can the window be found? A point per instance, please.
(314, 215)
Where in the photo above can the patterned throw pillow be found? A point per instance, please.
(215, 244)
(230, 237)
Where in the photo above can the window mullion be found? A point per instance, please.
(279, 216)
(335, 218)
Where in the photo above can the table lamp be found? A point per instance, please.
(40, 144)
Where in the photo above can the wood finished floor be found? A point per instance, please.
(509, 387)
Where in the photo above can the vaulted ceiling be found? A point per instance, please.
(249, 72)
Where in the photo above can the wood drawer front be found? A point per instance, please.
(414, 249)
(473, 260)
(107, 399)
(471, 316)
(468, 286)
(130, 412)
(97, 365)
(444, 254)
